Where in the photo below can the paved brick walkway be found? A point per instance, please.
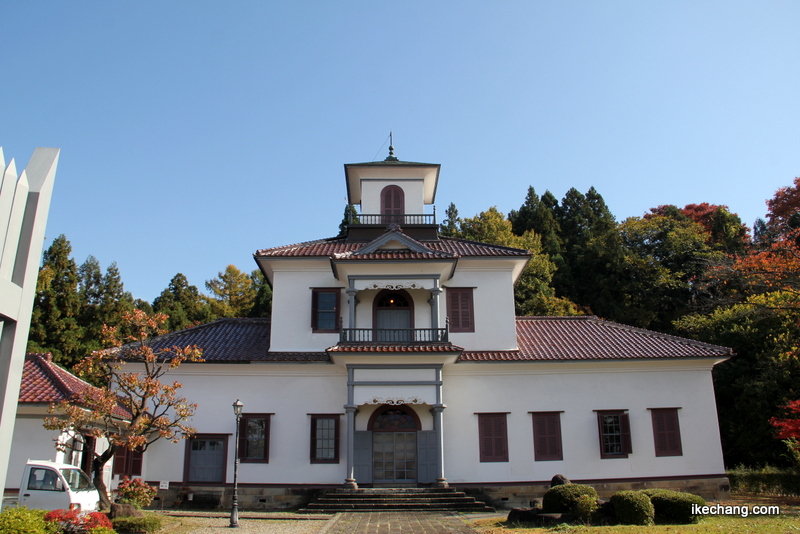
(396, 523)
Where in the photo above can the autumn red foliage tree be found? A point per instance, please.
(784, 209)
(135, 405)
(788, 428)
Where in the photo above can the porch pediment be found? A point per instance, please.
(394, 239)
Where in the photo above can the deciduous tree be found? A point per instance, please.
(232, 293)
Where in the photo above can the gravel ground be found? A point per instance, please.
(216, 525)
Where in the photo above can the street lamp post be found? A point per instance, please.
(237, 409)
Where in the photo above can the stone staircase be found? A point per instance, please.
(395, 499)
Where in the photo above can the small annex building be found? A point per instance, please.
(394, 358)
(45, 383)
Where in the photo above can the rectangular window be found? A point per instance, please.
(547, 436)
(666, 431)
(325, 439)
(254, 438)
(493, 437)
(325, 309)
(205, 458)
(460, 310)
(128, 463)
(615, 434)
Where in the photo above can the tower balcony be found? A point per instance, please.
(368, 226)
(403, 219)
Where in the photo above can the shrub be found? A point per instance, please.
(136, 492)
(584, 508)
(72, 521)
(102, 530)
(149, 523)
(633, 508)
(67, 521)
(561, 499)
(22, 520)
(674, 506)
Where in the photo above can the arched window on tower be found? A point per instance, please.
(392, 204)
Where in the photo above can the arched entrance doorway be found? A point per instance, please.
(394, 444)
(393, 316)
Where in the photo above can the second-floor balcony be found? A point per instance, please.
(394, 335)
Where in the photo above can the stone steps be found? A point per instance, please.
(400, 499)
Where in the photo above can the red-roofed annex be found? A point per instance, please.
(43, 384)
(393, 357)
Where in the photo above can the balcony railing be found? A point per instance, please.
(394, 335)
(405, 218)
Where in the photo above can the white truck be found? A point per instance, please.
(52, 486)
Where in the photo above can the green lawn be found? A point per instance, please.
(787, 522)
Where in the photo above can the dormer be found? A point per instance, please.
(392, 192)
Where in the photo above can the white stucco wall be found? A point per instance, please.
(493, 305)
(291, 304)
(290, 392)
(493, 300)
(577, 389)
(293, 391)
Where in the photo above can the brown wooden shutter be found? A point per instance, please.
(392, 203)
(666, 432)
(493, 437)
(460, 309)
(625, 423)
(547, 436)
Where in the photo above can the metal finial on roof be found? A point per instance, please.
(391, 149)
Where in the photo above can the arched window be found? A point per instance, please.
(392, 204)
(390, 418)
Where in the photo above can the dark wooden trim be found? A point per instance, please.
(313, 444)
(315, 291)
(625, 433)
(243, 438)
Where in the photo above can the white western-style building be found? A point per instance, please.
(394, 357)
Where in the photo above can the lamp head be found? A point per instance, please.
(237, 407)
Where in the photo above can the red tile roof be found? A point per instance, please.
(590, 338)
(339, 248)
(45, 382)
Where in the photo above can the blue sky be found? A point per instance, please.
(194, 133)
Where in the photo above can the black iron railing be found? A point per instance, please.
(394, 335)
(405, 218)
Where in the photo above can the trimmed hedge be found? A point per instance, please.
(633, 508)
(675, 506)
(149, 523)
(562, 499)
(768, 480)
